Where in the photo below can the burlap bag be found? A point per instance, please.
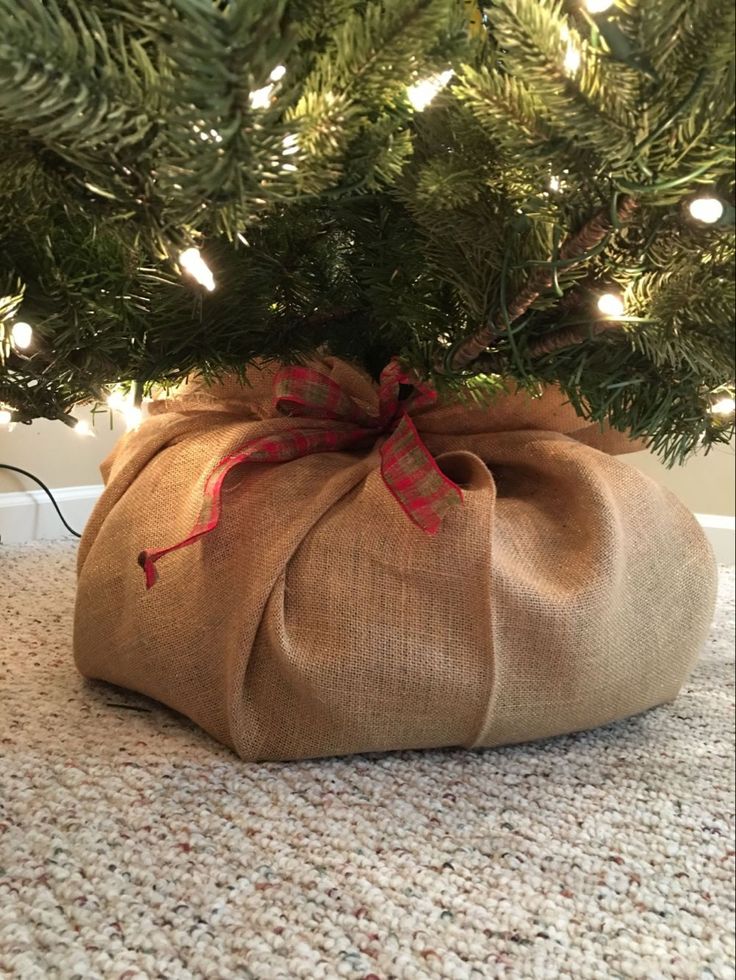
(566, 592)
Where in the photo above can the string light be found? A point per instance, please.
(611, 305)
(6, 417)
(193, 263)
(290, 144)
(133, 416)
(420, 94)
(572, 59)
(126, 405)
(724, 406)
(260, 98)
(555, 184)
(116, 401)
(82, 428)
(706, 209)
(598, 6)
(21, 335)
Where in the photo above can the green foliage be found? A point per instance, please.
(334, 214)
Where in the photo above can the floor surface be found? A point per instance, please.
(132, 846)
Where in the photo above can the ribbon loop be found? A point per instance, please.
(305, 393)
(407, 467)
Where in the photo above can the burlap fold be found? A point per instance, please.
(567, 591)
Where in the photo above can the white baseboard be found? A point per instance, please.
(29, 516)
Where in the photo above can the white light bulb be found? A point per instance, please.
(555, 184)
(572, 59)
(725, 406)
(278, 73)
(21, 335)
(5, 416)
(82, 428)
(611, 305)
(598, 6)
(290, 144)
(193, 263)
(706, 209)
(260, 98)
(133, 416)
(116, 401)
(420, 94)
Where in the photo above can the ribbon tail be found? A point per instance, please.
(209, 517)
(277, 449)
(412, 475)
(147, 559)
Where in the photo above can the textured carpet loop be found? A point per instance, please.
(133, 847)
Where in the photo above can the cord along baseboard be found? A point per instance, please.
(28, 515)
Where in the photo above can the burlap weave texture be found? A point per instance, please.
(568, 591)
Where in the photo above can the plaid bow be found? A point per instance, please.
(407, 467)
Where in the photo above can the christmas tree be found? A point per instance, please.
(521, 192)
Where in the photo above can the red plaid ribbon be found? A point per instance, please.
(407, 467)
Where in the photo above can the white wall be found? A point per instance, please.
(67, 463)
(705, 483)
(55, 453)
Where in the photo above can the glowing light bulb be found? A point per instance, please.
(21, 335)
(6, 417)
(611, 305)
(572, 59)
(555, 184)
(290, 144)
(724, 406)
(706, 209)
(278, 73)
(598, 6)
(193, 263)
(420, 94)
(260, 98)
(116, 401)
(82, 428)
(133, 416)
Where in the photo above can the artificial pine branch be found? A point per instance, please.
(569, 337)
(337, 213)
(574, 247)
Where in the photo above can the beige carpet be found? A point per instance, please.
(132, 846)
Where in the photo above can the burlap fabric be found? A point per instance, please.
(569, 590)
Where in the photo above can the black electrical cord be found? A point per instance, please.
(17, 469)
